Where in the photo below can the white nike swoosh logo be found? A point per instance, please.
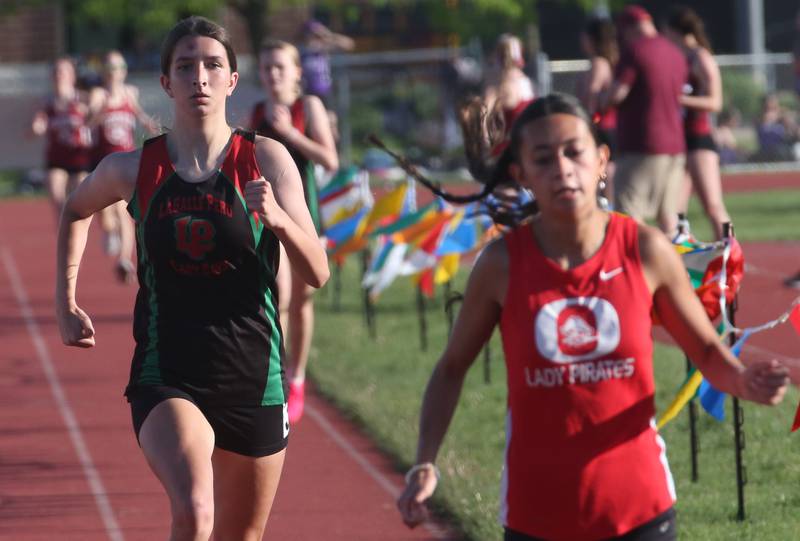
(606, 276)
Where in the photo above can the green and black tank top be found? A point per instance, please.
(206, 317)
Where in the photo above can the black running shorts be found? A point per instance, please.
(661, 528)
(246, 430)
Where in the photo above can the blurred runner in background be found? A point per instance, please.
(62, 120)
(113, 113)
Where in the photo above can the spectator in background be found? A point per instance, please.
(777, 131)
(794, 280)
(318, 42)
(796, 53)
(648, 82)
(506, 93)
(685, 28)
(725, 137)
(599, 43)
(508, 89)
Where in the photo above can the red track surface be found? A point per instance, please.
(69, 464)
(70, 467)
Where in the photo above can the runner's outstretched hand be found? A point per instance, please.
(411, 503)
(76, 327)
(765, 382)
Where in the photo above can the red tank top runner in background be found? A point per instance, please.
(115, 132)
(583, 458)
(68, 136)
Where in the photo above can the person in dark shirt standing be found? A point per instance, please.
(648, 82)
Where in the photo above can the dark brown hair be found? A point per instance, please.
(685, 21)
(603, 36)
(195, 26)
(481, 136)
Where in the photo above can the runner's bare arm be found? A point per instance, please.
(96, 101)
(708, 70)
(684, 318)
(476, 320)
(318, 146)
(280, 202)
(39, 122)
(615, 95)
(597, 78)
(113, 179)
(148, 122)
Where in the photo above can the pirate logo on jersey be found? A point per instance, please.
(576, 329)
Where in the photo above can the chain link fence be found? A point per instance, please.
(407, 97)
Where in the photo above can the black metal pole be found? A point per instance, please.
(487, 357)
(694, 447)
(738, 412)
(451, 299)
(337, 287)
(423, 323)
(369, 308)
(693, 439)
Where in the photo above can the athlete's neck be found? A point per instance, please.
(570, 243)
(198, 148)
(286, 99)
(65, 92)
(115, 88)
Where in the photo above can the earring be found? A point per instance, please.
(602, 200)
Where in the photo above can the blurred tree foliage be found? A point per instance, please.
(146, 21)
(484, 19)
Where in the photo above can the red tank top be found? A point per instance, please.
(608, 119)
(509, 116)
(68, 136)
(583, 459)
(262, 126)
(259, 123)
(116, 131)
(695, 121)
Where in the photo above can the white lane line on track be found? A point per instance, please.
(749, 268)
(73, 428)
(767, 353)
(383, 481)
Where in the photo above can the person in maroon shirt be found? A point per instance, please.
(648, 83)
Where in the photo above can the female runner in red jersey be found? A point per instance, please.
(599, 43)
(114, 111)
(685, 28)
(212, 205)
(63, 121)
(303, 126)
(572, 290)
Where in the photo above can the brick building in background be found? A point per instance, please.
(31, 34)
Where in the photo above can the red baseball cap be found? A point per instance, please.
(633, 14)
